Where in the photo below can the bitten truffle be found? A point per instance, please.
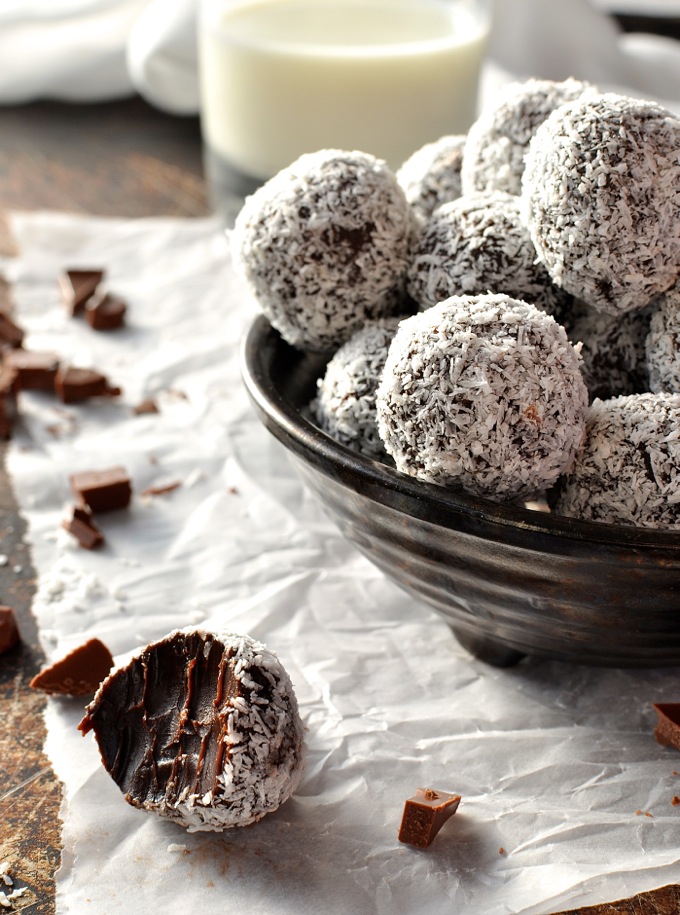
(483, 393)
(478, 244)
(344, 406)
(667, 731)
(202, 728)
(498, 141)
(324, 245)
(628, 471)
(431, 176)
(600, 198)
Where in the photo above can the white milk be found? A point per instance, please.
(283, 77)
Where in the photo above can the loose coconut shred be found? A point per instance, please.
(202, 728)
(628, 471)
(483, 393)
(324, 246)
(600, 197)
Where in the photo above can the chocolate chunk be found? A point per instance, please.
(10, 333)
(105, 311)
(424, 815)
(77, 674)
(35, 371)
(77, 286)
(102, 490)
(8, 400)
(76, 384)
(668, 724)
(9, 631)
(81, 524)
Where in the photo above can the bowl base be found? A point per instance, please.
(488, 650)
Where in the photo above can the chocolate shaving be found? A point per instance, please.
(81, 524)
(79, 673)
(161, 489)
(76, 384)
(148, 405)
(424, 815)
(77, 287)
(9, 631)
(105, 311)
(102, 490)
(667, 730)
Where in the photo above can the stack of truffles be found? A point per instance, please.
(502, 315)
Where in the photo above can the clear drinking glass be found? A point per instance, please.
(284, 77)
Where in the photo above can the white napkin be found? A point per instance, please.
(88, 50)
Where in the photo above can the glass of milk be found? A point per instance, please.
(283, 77)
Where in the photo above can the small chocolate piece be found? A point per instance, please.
(424, 815)
(9, 631)
(161, 489)
(79, 673)
(102, 490)
(81, 524)
(35, 371)
(200, 727)
(75, 384)
(10, 333)
(148, 405)
(8, 400)
(105, 311)
(667, 730)
(77, 286)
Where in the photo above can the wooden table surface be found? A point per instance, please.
(116, 159)
(119, 159)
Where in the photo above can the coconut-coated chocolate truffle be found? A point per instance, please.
(324, 246)
(202, 728)
(600, 197)
(628, 471)
(612, 350)
(497, 142)
(484, 393)
(662, 346)
(479, 244)
(344, 406)
(431, 175)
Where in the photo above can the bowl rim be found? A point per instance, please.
(287, 423)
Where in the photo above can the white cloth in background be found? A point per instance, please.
(89, 50)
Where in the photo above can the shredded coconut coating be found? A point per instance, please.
(324, 246)
(498, 140)
(431, 176)
(484, 393)
(345, 403)
(479, 244)
(254, 716)
(662, 346)
(602, 201)
(613, 351)
(628, 471)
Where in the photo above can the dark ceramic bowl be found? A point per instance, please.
(509, 581)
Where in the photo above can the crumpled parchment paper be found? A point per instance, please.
(567, 799)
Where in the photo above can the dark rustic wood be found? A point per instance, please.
(117, 159)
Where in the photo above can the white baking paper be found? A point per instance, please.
(567, 799)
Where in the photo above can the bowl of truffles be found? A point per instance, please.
(474, 362)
